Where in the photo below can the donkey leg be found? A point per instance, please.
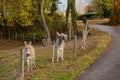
(34, 64)
(58, 55)
(62, 55)
(28, 64)
(31, 65)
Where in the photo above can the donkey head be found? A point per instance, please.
(62, 36)
(27, 47)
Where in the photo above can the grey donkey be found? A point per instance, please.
(59, 46)
(29, 53)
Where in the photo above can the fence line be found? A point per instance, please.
(34, 37)
(1, 35)
(9, 36)
(74, 48)
(22, 65)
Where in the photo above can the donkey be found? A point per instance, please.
(59, 45)
(29, 53)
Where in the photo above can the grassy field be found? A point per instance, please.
(63, 70)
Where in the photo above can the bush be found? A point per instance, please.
(31, 36)
(56, 23)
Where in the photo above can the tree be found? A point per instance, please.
(28, 16)
(74, 17)
(115, 19)
(85, 33)
(48, 37)
(17, 14)
(72, 10)
(28, 12)
(103, 7)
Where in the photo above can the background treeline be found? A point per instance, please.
(109, 9)
(38, 19)
(22, 18)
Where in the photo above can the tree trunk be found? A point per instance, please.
(47, 32)
(74, 17)
(85, 33)
(115, 19)
(67, 13)
(71, 9)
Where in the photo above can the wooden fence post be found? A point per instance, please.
(13, 36)
(9, 35)
(34, 37)
(22, 65)
(70, 32)
(53, 51)
(23, 37)
(1, 35)
(16, 36)
(74, 48)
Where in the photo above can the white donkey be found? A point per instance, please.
(59, 45)
(29, 52)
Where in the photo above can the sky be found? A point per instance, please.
(62, 7)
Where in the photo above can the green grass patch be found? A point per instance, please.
(63, 70)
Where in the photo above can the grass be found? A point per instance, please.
(116, 26)
(63, 70)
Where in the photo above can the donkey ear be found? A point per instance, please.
(58, 33)
(25, 42)
(30, 43)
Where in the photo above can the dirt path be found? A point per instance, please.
(107, 67)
